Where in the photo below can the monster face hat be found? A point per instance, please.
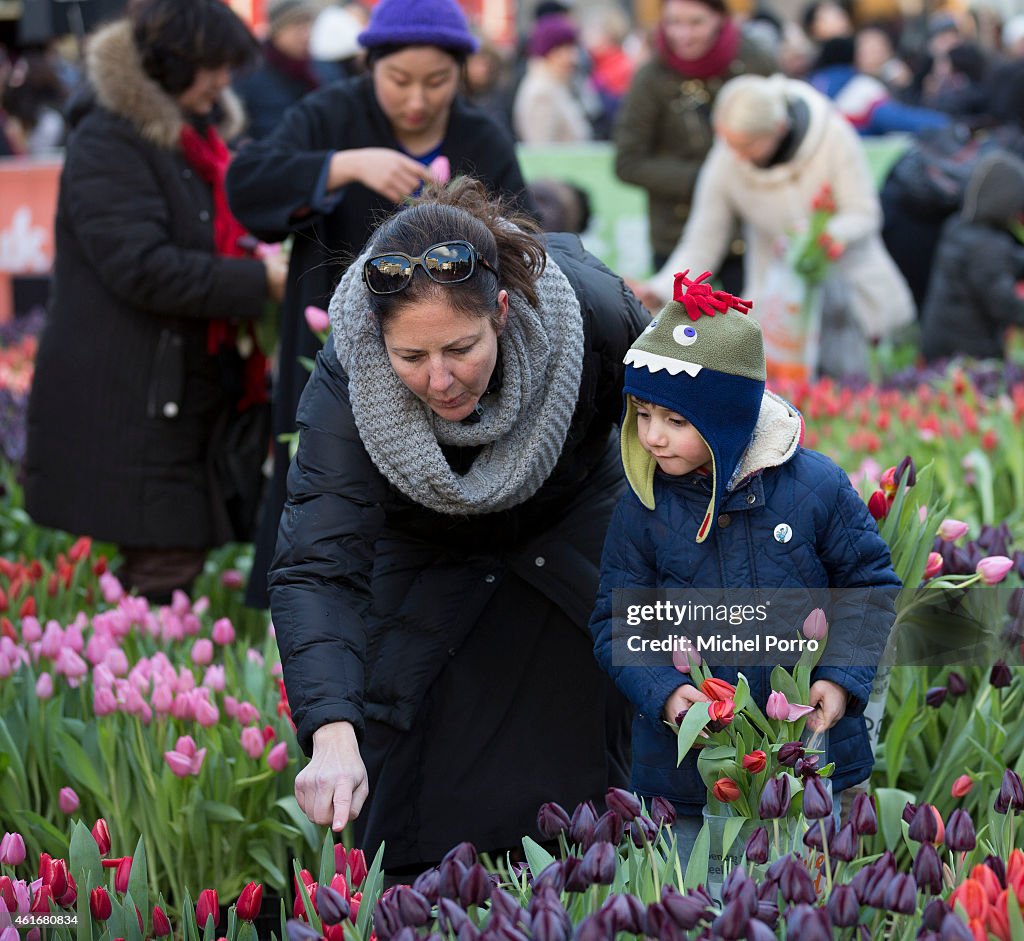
(703, 358)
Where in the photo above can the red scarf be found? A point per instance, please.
(209, 157)
(714, 62)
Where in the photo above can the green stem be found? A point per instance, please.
(824, 849)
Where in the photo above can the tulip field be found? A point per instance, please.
(147, 755)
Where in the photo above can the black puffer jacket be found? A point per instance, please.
(972, 295)
(371, 593)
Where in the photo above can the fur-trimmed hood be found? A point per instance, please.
(114, 68)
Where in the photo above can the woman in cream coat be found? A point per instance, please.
(778, 141)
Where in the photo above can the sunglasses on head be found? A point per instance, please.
(445, 263)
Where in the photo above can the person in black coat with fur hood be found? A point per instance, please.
(340, 161)
(138, 371)
(438, 554)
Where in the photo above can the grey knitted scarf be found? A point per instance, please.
(523, 425)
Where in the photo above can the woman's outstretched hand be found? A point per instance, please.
(385, 171)
(332, 788)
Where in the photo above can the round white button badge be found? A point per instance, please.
(783, 532)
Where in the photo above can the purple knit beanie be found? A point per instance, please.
(550, 32)
(419, 22)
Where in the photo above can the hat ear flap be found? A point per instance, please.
(705, 527)
(637, 463)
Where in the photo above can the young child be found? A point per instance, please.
(972, 296)
(723, 496)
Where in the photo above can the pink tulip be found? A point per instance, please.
(254, 656)
(12, 849)
(278, 670)
(185, 760)
(191, 624)
(277, 758)
(111, 588)
(206, 714)
(53, 641)
(815, 626)
(10, 933)
(117, 660)
(441, 168)
(922, 514)
(162, 699)
(317, 319)
(73, 638)
(951, 530)
(231, 706)
(252, 742)
(102, 678)
(777, 706)
(103, 702)
(67, 801)
(30, 630)
(186, 745)
(97, 647)
(71, 665)
(186, 680)
(6, 667)
(247, 713)
(214, 678)
(200, 606)
(232, 578)
(202, 652)
(180, 603)
(223, 632)
(180, 765)
(994, 568)
(683, 660)
(933, 566)
(44, 686)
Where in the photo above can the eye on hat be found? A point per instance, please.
(419, 22)
(550, 32)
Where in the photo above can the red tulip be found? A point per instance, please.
(101, 834)
(207, 907)
(248, 905)
(933, 566)
(41, 900)
(878, 505)
(161, 924)
(721, 713)
(888, 482)
(725, 790)
(356, 867)
(718, 690)
(755, 762)
(122, 874)
(99, 904)
(962, 785)
(57, 877)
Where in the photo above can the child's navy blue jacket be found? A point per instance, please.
(834, 544)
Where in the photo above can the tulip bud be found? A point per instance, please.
(642, 831)
(57, 878)
(790, 753)
(923, 827)
(475, 886)
(277, 757)
(12, 849)
(663, 811)
(878, 505)
(725, 790)
(845, 847)
(906, 466)
(951, 530)
(956, 684)
(756, 849)
(248, 905)
(775, 798)
(552, 819)
(625, 804)
(928, 869)
(101, 834)
(357, 868)
(960, 836)
(1011, 793)
(755, 762)
(99, 904)
(901, 894)
(685, 911)
(815, 625)
(817, 799)
(581, 824)
(1000, 676)
(796, 884)
(935, 696)
(122, 873)
(331, 905)
(962, 786)
(599, 864)
(813, 836)
(41, 900)
(994, 568)
(67, 801)
(428, 884)
(933, 566)
(8, 897)
(844, 907)
(301, 931)
(732, 922)
(451, 918)
(207, 907)
(161, 923)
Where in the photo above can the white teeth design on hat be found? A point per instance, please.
(654, 362)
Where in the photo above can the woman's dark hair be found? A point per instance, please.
(375, 53)
(177, 37)
(462, 210)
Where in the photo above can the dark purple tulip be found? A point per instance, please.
(953, 929)
(427, 884)
(501, 929)
(806, 923)
(581, 825)
(687, 911)
(608, 829)
(756, 849)
(548, 926)
(960, 834)
(387, 919)
(551, 876)
(663, 811)
(599, 864)
(503, 903)
(572, 871)
(593, 928)
(331, 905)
(732, 923)
(450, 917)
(465, 853)
(299, 930)
(901, 894)
(924, 827)
(933, 914)
(812, 837)
(998, 866)
(817, 799)
(775, 798)
(759, 931)
(627, 913)
(906, 466)
(846, 845)
(807, 766)
(790, 753)
(659, 923)
(860, 883)
(956, 684)
(935, 696)
(768, 912)
(926, 935)
(468, 932)
(408, 933)
(796, 884)
(844, 907)
(1000, 676)
(552, 819)
(768, 889)
(475, 886)
(736, 879)
(909, 810)
(625, 804)
(777, 868)
(1011, 793)
(877, 885)
(450, 875)
(928, 869)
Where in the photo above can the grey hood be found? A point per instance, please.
(995, 191)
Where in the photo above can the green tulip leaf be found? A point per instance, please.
(73, 759)
(372, 886)
(693, 723)
(84, 857)
(697, 865)
(307, 828)
(138, 881)
(538, 858)
(731, 830)
(742, 697)
(1015, 919)
(327, 860)
(260, 854)
(221, 813)
(890, 802)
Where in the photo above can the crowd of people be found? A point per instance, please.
(493, 398)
